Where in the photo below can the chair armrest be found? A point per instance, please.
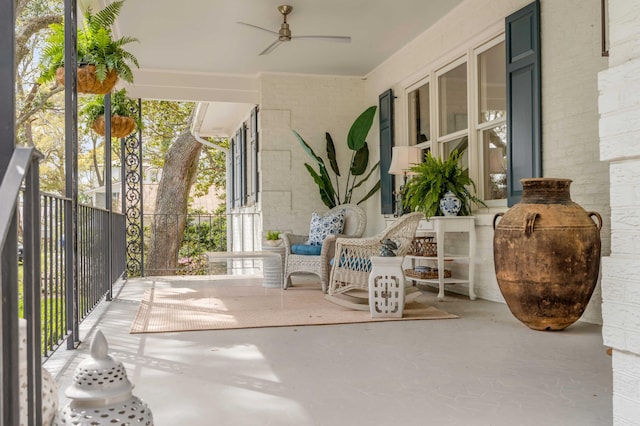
(328, 248)
(357, 247)
(358, 241)
(291, 239)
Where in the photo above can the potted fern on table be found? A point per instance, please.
(101, 59)
(432, 179)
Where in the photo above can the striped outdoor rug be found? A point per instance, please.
(207, 306)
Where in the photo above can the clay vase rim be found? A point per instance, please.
(546, 190)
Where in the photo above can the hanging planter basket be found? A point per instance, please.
(88, 82)
(120, 126)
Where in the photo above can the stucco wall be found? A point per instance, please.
(311, 105)
(619, 106)
(570, 38)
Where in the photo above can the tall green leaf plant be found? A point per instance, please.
(331, 195)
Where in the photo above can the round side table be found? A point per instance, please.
(277, 250)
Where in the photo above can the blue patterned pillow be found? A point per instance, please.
(321, 226)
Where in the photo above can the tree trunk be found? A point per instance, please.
(167, 228)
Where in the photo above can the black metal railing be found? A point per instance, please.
(20, 294)
(99, 265)
(52, 280)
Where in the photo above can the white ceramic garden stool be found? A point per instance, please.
(101, 393)
(386, 287)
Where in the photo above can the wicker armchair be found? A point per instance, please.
(349, 280)
(355, 221)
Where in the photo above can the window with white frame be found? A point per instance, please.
(453, 110)
(491, 119)
(419, 113)
(467, 105)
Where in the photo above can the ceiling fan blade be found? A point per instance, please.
(343, 39)
(270, 48)
(257, 27)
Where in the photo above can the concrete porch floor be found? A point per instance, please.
(485, 368)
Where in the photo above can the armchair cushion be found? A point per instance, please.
(306, 249)
(321, 226)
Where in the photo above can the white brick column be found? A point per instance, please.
(619, 106)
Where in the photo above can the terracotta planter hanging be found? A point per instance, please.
(120, 126)
(88, 82)
(546, 252)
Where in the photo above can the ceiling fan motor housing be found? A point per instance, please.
(285, 33)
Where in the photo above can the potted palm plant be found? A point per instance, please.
(124, 114)
(101, 59)
(330, 194)
(433, 179)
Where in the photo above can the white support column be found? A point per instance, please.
(619, 107)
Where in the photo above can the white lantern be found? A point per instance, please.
(101, 393)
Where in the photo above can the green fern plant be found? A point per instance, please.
(95, 46)
(432, 179)
(330, 195)
(120, 105)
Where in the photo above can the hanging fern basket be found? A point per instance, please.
(120, 126)
(88, 82)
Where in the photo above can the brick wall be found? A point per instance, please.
(311, 105)
(619, 105)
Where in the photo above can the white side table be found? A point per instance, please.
(440, 225)
(386, 287)
(279, 250)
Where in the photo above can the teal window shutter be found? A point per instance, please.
(387, 181)
(238, 170)
(232, 172)
(254, 154)
(524, 119)
(242, 137)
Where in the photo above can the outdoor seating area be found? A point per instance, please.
(414, 212)
(482, 368)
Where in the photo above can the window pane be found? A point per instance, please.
(492, 84)
(494, 142)
(462, 145)
(419, 124)
(452, 90)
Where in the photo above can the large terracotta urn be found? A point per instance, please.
(546, 251)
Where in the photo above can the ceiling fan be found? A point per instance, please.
(284, 34)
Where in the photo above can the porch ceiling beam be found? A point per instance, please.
(202, 87)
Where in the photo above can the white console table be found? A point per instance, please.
(440, 225)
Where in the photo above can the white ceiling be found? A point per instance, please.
(195, 50)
